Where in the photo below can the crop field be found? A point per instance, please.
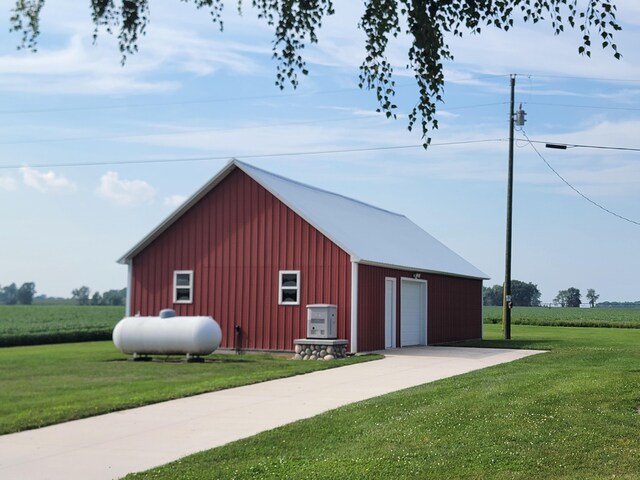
(40, 324)
(568, 317)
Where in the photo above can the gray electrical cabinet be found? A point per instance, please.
(321, 321)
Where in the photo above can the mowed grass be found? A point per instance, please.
(42, 385)
(568, 317)
(571, 413)
(40, 324)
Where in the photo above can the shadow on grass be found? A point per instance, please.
(179, 359)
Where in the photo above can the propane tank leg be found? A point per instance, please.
(190, 358)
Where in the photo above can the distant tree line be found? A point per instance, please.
(572, 297)
(527, 295)
(522, 294)
(83, 296)
(12, 295)
(620, 304)
(25, 295)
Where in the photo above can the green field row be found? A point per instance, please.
(40, 324)
(568, 317)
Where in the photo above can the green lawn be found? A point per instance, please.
(568, 414)
(568, 317)
(40, 324)
(42, 385)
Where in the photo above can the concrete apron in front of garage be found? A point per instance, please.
(112, 445)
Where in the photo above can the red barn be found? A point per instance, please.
(252, 249)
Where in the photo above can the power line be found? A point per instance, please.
(201, 101)
(277, 95)
(601, 207)
(263, 155)
(594, 107)
(187, 132)
(188, 102)
(478, 105)
(216, 129)
(577, 77)
(580, 145)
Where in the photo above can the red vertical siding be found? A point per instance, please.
(236, 239)
(454, 307)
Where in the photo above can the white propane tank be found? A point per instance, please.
(167, 334)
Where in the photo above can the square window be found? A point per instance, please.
(183, 286)
(289, 287)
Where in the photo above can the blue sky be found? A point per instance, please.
(193, 92)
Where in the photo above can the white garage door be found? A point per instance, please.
(413, 313)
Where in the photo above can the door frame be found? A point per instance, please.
(390, 324)
(424, 323)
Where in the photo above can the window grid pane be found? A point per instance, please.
(289, 288)
(183, 286)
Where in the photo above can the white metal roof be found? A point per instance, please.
(367, 233)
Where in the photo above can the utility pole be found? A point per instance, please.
(514, 119)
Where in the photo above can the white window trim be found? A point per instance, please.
(281, 273)
(175, 286)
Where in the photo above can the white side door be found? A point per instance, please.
(390, 313)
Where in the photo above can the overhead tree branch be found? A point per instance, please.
(426, 22)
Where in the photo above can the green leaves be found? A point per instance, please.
(25, 20)
(295, 23)
(426, 22)
(379, 21)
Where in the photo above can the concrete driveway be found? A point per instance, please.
(110, 446)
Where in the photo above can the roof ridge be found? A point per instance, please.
(240, 164)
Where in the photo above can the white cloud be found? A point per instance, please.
(77, 68)
(46, 182)
(81, 67)
(446, 114)
(204, 55)
(8, 183)
(174, 200)
(125, 192)
(603, 132)
(531, 49)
